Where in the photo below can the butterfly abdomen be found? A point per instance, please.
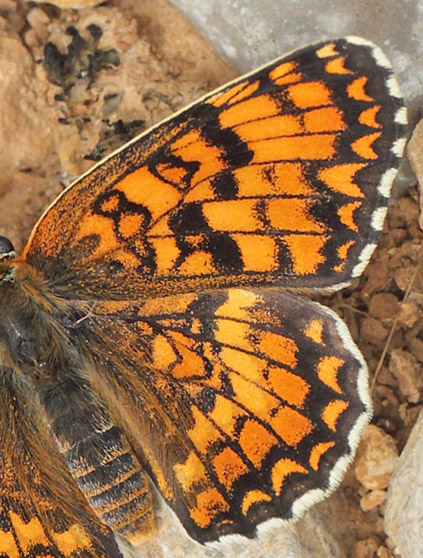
(111, 479)
(100, 459)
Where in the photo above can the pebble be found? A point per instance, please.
(383, 552)
(366, 548)
(72, 4)
(373, 331)
(377, 275)
(416, 348)
(409, 373)
(384, 306)
(409, 313)
(372, 500)
(404, 276)
(377, 459)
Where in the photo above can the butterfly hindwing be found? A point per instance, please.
(242, 380)
(281, 177)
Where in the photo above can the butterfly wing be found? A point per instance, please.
(41, 511)
(282, 177)
(244, 405)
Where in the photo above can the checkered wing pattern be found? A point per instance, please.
(252, 399)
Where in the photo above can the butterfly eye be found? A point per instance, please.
(7, 250)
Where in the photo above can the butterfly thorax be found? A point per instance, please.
(31, 333)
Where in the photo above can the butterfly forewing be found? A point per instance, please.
(280, 177)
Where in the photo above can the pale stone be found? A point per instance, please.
(376, 458)
(409, 373)
(410, 312)
(308, 538)
(415, 156)
(372, 500)
(383, 552)
(404, 504)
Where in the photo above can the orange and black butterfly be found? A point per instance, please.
(150, 332)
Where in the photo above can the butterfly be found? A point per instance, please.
(152, 332)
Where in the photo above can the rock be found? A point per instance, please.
(298, 540)
(409, 210)
(389, 543)
(25, 110)
(376, 459)
(404, 277)
(397, 237)
(409, 414)
(47, 130)
(404, 504)
(415, 156)
(373, 331)
(383, 552)
(372, 500)
(416, 348)
(38, 21)
(386, 378)
(366, 548)
(386, 409)
(409, 313)
(409, 373)
(376, 274)
(384, 306)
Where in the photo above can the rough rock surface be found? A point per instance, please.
(404, 504)
(415, 156)
(310, 538)
(58, 118)
(251, 32)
